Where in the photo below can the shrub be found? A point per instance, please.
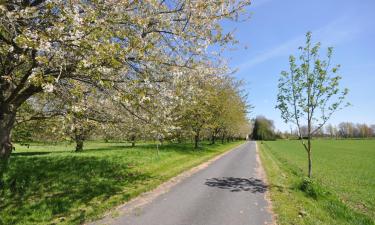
(312, 188)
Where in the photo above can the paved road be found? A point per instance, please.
(227, 192)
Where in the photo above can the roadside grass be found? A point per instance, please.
(50, 184)
(341, 192)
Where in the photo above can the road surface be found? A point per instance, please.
(227, 192)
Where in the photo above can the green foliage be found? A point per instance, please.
(312, 188)
(263, 129)
(215, 108)
(48, 184)
(309, 93)
(340, 193)
(22, 134)
(311, 88)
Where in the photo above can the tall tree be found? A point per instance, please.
(309, 93)
(263, 129)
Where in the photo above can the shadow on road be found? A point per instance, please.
(235, 184)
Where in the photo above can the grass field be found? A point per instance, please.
(50, 184)
(344, 178)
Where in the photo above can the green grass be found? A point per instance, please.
(344, 180)
(50, 184)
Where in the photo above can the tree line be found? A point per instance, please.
(215, 111)
(347, 130)
(264, 129)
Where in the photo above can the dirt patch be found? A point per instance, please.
(262, 175)
(135, 205)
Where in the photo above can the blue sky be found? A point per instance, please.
(276, 29)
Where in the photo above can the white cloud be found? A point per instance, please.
(280, 50)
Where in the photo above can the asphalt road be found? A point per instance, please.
(227, 192)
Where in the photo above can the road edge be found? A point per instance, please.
(149, 196)
(263, 176)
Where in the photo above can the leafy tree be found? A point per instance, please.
(372, 128)
(211, 106)
(196, 111)
(309, 93)
(263, 129)
(364, 130)
(229, 109)
(346, 129)
(331, 130)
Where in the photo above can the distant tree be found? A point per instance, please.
(309, 93)
(372, 130)
(346, 129)
(364, 130)
(263, 129)
(304, 130)
(319, 132)
(331, 130)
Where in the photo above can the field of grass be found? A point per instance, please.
(343, 185)
(50, 184)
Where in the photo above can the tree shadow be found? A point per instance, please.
(36, 153)
(235, 184)
(56, 186)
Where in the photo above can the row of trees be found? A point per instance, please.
(214, 108)
(264, 129)
(342, 130)
(115, 65)
(350, 130)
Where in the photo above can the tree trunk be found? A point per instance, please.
(132, 139)
(79, 144)
(309, 158)
(222, 138)
(213, 139)
(6, 124)
(79, 138)
(310, 164)
(196, 140)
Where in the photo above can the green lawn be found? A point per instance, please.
(343, 170)
(50, 184)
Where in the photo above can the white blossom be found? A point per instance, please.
(48, 88)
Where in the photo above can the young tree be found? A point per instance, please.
(309, 93)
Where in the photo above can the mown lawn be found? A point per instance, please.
(50, 184)
(343, 170)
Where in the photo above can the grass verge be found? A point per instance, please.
(50, 184)
(298, 200)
